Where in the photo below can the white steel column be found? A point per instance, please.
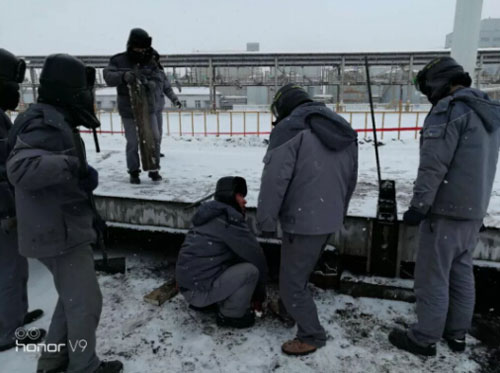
(465, 37)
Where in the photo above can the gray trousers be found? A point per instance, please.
(77, 312)
(13, 291)
(444, 279)
(232, 290)
(299, 254)
(132, 148)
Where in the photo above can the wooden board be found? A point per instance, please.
(140, 97)
(160, 295)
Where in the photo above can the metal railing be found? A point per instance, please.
(259, 123)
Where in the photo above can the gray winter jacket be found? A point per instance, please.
(310, 172)
(219, 238)
(458, 156)
(152, 72)
(7, 206)
(54, 213)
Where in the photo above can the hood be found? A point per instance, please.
(486, 109)
(213, 209)
(330, 128)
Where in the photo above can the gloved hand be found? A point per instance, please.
(178, 104)
(265, 234)
(8, 224)
(91, 180)
(413, 217)
(129, 77)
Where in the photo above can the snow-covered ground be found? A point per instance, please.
(192, 166)
(173, 338)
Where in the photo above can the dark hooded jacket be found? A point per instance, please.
(459, 148)
(54, 212)
(152, 71)
(7, 205)
(219, 238)
(310, 172)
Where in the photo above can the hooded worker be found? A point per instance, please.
(140, 62)
(459, 146)
(56, 221)
(221, 265)
(13, 267)
(310, 172)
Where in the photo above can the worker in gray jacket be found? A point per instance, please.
(140, 61)
(221, 263)
(53, 184)
(310, 172)
(459, 147)
(13, 267)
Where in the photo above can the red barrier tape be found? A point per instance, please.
(393, 129)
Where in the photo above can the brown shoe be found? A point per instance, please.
(297, 348)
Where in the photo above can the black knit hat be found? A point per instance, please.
(139, 38)
(438, 76)
(65, 81)
(288, 98)
(227, 188)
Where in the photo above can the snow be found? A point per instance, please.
(376, 280)
(192, 166)
(174, 338)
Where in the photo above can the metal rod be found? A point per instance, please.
(368, 82)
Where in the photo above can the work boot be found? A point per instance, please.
(25, 338)
(400, 339)
(213, 308)
(297, 348)
(246, 321)
(155, 176)
(113, 366)
(32, 316)
(456, 344)
(134, 177)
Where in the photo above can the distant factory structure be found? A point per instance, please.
(489, 34)
(190, 98)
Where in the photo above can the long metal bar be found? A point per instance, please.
(490, 56)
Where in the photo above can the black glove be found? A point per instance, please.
(178, 104)
(129, 77)
(8, 224)
(90, 181)
(413, 217)
(265, 234)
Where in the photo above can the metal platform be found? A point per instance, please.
(355, 240)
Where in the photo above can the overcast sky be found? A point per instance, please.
(185, 26)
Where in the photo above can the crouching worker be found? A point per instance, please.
(221, 264)
(308, 179)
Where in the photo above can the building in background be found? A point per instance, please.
(489, 34)
(190, 97)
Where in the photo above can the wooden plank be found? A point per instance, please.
(160, 295)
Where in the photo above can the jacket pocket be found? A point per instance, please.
(267, 158)
(78, 223)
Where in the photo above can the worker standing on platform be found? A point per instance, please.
(458, 158)
(221, 265)
(310, 172)
(13, 267)
(56, 221)
(140, 61)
